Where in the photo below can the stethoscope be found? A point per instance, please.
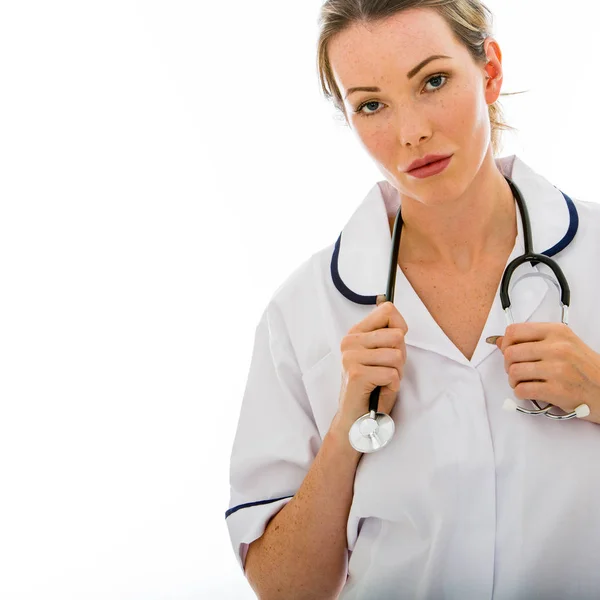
(374, 430)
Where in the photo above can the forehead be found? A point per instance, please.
(364, 52)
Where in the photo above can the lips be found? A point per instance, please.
(433, 168)
(426, 160)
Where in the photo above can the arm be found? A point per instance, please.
(302, 553)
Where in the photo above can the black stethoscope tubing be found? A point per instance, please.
(528, 255)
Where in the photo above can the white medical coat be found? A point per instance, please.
(468, 501)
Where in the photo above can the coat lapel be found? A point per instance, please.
(366, 244)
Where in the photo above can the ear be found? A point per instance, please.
(493, 70)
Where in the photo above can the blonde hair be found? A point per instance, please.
(470, 20)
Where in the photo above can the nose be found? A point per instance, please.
(413, 127)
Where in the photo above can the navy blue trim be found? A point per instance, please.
(358, 299)
(341, 286)
(249, 504)
(573, 226)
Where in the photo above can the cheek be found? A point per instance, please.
(466, 113)
(378, 141)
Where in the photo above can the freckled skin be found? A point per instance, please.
(420, 116)
(460, 225)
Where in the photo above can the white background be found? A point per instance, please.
(164, 166)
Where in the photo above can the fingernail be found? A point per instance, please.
(492, 339)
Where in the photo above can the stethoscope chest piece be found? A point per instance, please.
(371, 432)
(374, 430)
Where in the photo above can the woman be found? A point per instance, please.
(467, 500)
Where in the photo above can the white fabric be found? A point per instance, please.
(469, 501)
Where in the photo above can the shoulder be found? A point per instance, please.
(581, 256)
(588, 223)
(588, 208)
(299, 288)
(296, 312)
(299, 294)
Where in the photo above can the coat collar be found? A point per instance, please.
(361, 259)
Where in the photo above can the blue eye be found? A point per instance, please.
(370, 104)
(438, 76)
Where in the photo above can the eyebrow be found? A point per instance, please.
(409, 75)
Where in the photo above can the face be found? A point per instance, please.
(442, 109)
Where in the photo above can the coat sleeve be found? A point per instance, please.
(276, 439)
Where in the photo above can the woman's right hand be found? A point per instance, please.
(373, 354)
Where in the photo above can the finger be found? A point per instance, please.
(546, 392)
(528, 373)
(380, 338)
(523, 353)
(377, 357)
(534, 390)
(517, 333)
(385, 315)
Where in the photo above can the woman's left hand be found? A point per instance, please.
(549, 363)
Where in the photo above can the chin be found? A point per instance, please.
(436, 192)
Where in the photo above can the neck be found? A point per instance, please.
(466, 232)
